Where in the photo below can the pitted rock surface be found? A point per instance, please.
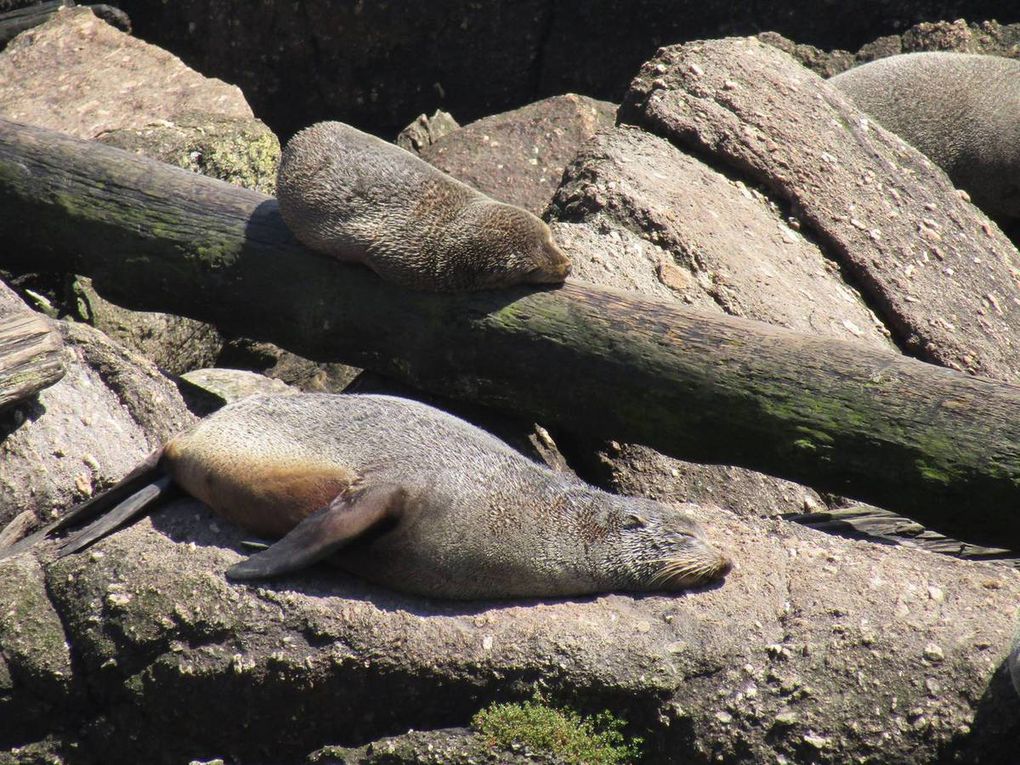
(752, 669)
(519, 156)
(86, 431)
(942, 276)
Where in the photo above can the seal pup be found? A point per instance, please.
(353, 196)
(410, 497)
(962, 110)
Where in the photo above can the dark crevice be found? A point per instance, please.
(541, 47)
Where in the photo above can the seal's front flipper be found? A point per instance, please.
(130, 508)
(324, 532)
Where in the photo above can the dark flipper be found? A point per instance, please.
(141, 475)
(323, 532)
(130, 508)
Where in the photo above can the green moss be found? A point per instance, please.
(561, 732)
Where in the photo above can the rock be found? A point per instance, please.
(961, 110)
(732, 247)
(449, 746)
(34, 655)
(942, 277)
(425, 131)
(132, 95)
(821, 62)
(113, 80)
(175, 344)
(110, 409)
(989, 37)
(660, 222)
(519, 156)
(272, 361)
(78, 75)
(239, 151)
(206, 390)
(834, 629)
(376, 64)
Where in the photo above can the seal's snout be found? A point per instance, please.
(554, 270)
(696, 565)
(723, 566)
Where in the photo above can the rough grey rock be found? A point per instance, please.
(519, 156)
(78, 75)
(272, 361)
(82, 434)
(941, 276)
(815, 649)
(175, 344)
(117, 81)
(425, 131)
(646, 216)
(988, 37)
(961, 110)
(206, 390)
(241, 151)
(449, 746)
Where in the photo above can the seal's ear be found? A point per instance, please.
(323, 532)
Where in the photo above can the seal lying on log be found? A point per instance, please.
(962, 110)
(409, 497)
(353, 196)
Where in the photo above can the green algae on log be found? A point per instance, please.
(928, 442)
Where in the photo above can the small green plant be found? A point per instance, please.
(577, 740)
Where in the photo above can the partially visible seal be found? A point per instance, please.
(353, 196)
(413, 498)
(962, 110)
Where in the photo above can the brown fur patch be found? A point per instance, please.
(266, 497)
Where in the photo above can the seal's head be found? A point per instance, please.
(502, 245)
(659, 547)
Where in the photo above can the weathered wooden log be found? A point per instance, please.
(30, 358)
(931, 443)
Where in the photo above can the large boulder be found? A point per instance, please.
(81, 76)
(814, 650)
(78, 436)
(942, 277)
(519, 156)
(637, 212)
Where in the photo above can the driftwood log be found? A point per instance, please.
(934, 444)
(30, 356)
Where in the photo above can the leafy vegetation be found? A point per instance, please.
(575, 739)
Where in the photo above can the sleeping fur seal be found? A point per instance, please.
(412, 498)
(353, 196)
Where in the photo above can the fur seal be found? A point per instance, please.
(353, 196)
(960, 109)
(413, 498)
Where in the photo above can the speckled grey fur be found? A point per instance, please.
(480, 520)
(962, 110)
(353, 196)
